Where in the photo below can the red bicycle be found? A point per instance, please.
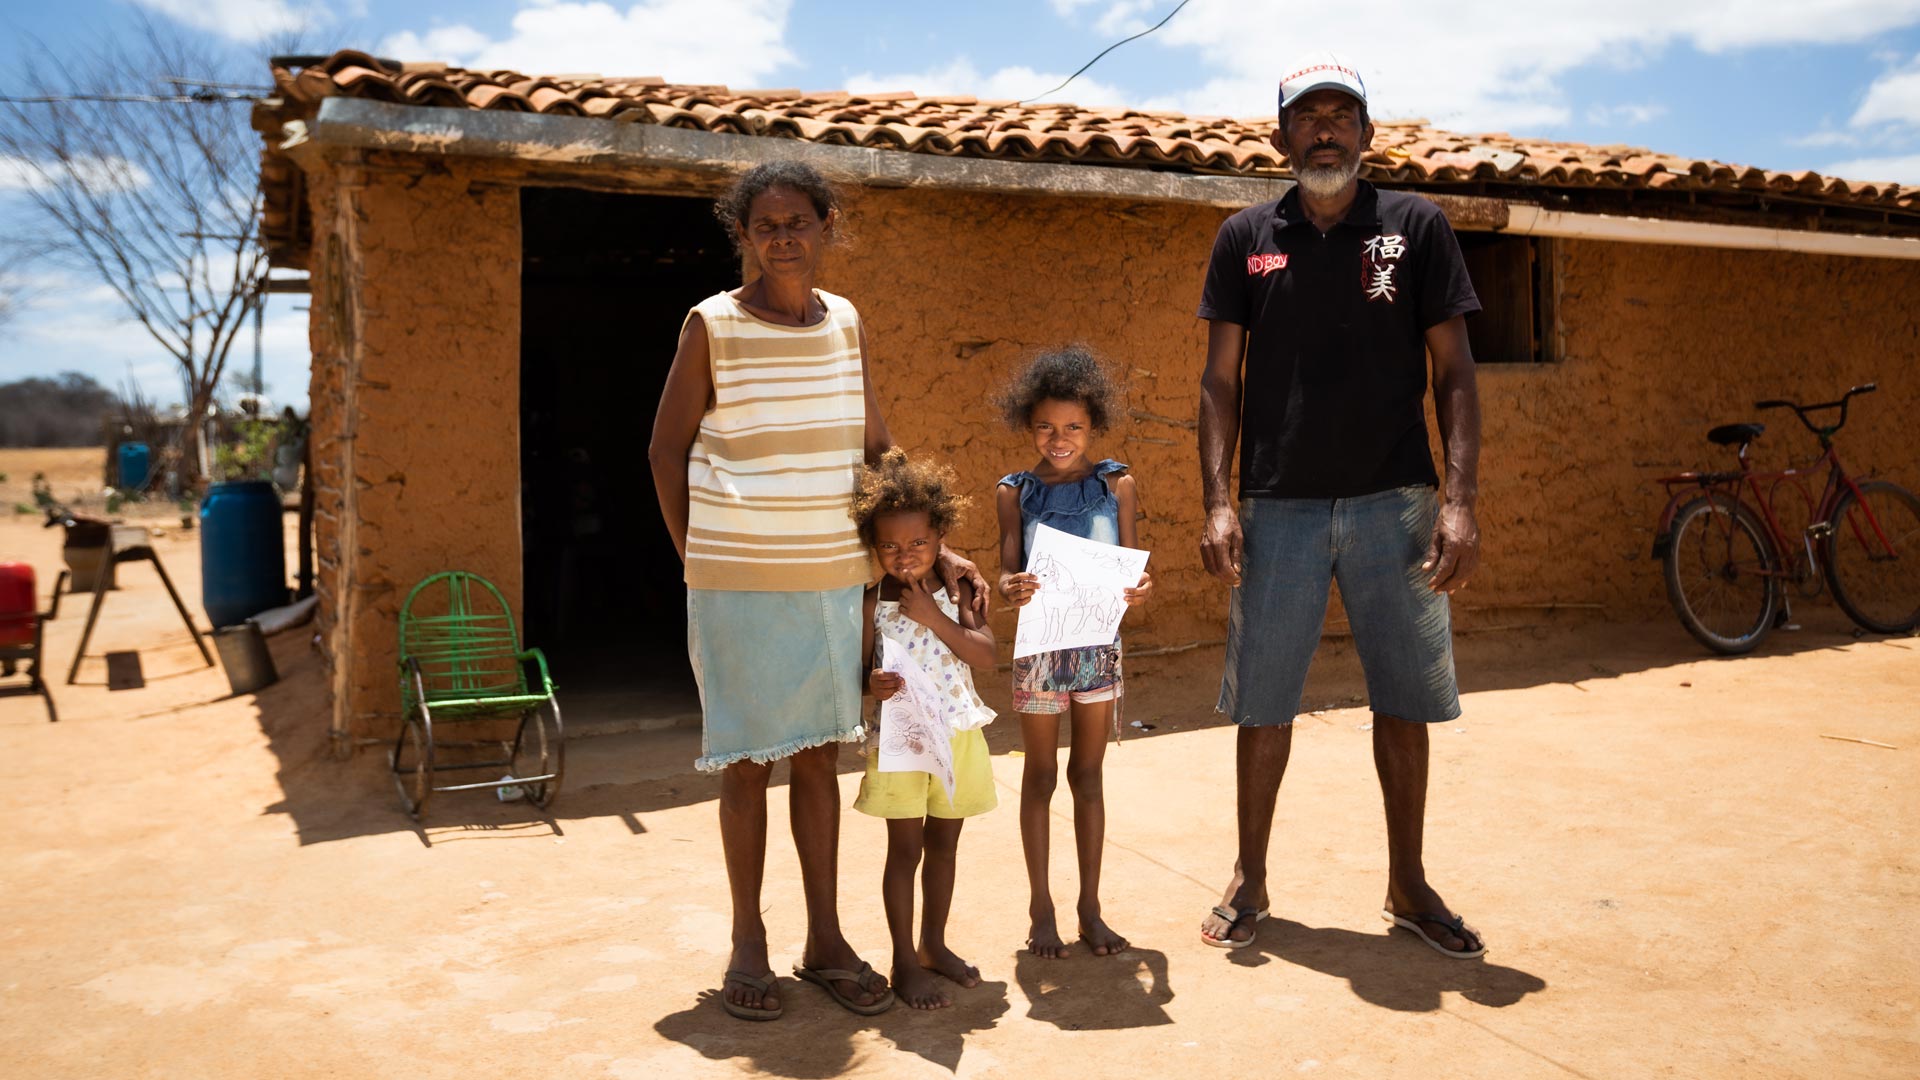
(1728, 560)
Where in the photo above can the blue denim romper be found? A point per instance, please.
(1089, 508)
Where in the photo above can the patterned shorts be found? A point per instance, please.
(1049, 682)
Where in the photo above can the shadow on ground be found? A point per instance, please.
(1084, 992)
(1387, 969)
(815, 1038)
(629, 774)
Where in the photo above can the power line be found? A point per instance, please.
(1108, 49)
(198, 97)
(178, 81)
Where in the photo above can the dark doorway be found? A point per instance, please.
(606, 282)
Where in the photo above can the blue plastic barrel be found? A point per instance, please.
(243, 553)
(134, 460)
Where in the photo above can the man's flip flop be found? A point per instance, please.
(826, 977)
(758, 984)
(1457, 924)
(1232, 919)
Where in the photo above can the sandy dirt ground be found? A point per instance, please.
(1676, 875)
(74, 475)
(73, 471)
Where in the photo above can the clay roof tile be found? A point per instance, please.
(346, 58)
(1406, 150)
(366, 82)
(610, 107)
(429, 88)
(498, 98)
(554, 101)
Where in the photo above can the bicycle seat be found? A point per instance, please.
(1735, 434)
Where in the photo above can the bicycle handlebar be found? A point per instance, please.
(1801, 411)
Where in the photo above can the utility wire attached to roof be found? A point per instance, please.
(204, 93)
(198, 97)
(1108, 49)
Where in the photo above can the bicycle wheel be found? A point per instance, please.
(1875, 572)
(1721, 568)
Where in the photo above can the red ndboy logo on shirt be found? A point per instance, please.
(1262, 265)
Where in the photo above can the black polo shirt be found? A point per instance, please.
(1335, 377)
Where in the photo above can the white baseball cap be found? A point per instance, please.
(1321, 71)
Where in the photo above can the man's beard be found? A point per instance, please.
(1327, 181)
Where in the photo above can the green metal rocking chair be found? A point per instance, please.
(461, 661)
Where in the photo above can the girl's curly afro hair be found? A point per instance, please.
(902, 485)
(1072, 373)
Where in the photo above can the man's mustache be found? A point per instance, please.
(1307, 154)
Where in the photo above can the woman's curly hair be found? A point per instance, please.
(1072, 373)
(901, 485)
(733, 206)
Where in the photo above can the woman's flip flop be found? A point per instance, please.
(1455, 923)
(1232, 919)
(826, 977)
(758, 984)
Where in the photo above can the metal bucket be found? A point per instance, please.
(244, 655)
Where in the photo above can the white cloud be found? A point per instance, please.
(1624, 115)
(1903, 170)
(1887, 121)
(738, 42)
(237, 20)
(1126, 18)
(1013, 83)
(26, 174)
(1483, 65)
(1827, 137)
(1894, 98)
(43, 289)
(79, 329)
(68, 320)
(439, 43)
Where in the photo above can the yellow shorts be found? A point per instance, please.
(918, 794)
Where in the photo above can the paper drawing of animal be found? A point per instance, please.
(1069, 606)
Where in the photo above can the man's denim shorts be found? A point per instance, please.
(1373, 546)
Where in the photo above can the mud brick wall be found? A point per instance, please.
(1660, 344)
(957, 291)
(416, 375)
(416, 408)
(328, 332)
(1657, 345)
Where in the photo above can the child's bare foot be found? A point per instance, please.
(941, 959)
(916, 986)
(1100, 937)
(1044, 939)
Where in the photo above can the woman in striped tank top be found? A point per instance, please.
(766, 419)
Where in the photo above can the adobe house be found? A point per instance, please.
(500, 264)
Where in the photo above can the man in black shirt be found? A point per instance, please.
(1324, 308)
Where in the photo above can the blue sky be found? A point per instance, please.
(1831, 85)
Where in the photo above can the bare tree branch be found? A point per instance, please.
(155, 199)
(12, 289)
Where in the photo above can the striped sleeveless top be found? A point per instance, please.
(771, 474)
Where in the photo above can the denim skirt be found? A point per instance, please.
(779, 672)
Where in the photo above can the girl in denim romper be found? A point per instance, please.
(1061, 400)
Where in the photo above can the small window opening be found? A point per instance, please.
(1513, 276)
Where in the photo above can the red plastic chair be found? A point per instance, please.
(23, 628)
